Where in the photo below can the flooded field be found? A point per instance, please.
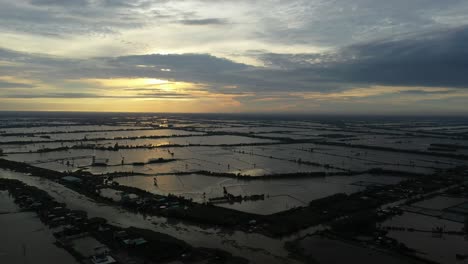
(425, 241)
(328, 251)
(280, 195)
(258, 166)
(257, 248)
(142, 144)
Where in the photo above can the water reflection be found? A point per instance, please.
(255, 247)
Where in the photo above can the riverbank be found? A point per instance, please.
(136, 244)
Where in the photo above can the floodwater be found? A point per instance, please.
(25, 239)
(440, 202)
(222, 154)
(255, 247)
(280, 194)
(330, 251)
(123, 134)
(427, 244)
(249, 147)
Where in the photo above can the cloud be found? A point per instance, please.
(14, 85)
(425, 92)
(437, 58)
(291, 53)
(99, 96)
(433, 59)
(203, 22)
(71, 19)
(59, 2)
(280, 23)
(180, 62)
(342, 22)
(385, 91)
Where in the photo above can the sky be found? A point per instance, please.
(269, 56)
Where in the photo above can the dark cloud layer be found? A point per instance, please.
(9, 85)
(180, 62)
(437, 58)
(431, 59)
(316, 22)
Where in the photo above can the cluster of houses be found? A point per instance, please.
(142, 201)
(72, 227)
(67, 224)
(231, 198)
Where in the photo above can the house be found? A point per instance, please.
(71, 179)
(102, 259)
(134, 242)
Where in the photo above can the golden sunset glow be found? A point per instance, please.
(356, 93)
(300, 56)
(126, 82)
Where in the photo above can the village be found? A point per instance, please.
(93, 240)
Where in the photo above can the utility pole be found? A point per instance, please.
(24, 254)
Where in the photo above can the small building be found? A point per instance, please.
(71, 179)
(102, 256)
(135, 242)
(103, 259)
